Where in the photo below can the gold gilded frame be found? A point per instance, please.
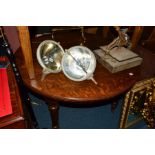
(140, 99)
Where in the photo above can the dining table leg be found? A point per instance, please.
(53, 107)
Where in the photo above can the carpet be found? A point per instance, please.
(81, 118)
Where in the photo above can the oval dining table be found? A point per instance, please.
(57, 89)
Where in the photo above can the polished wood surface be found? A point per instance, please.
(16, 119)
(59, 87)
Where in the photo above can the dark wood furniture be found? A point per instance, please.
(148, 38)
(15, 120)
(57, 89)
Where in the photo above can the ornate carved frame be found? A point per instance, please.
(140, 99)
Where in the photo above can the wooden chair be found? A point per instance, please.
(139, 103)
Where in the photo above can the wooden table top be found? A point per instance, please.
(58, 87)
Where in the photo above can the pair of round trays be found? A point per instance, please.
(78, 63)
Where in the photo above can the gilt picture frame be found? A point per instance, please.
(135, 103)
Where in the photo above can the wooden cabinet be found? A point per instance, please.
(16, 119)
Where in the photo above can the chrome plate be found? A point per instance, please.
(78, 63)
